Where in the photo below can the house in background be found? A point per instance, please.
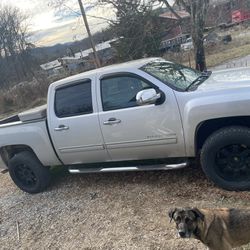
(174, 26)
(177, 31)
(240, 10)
(81, 61)
(72, 64)
(52, 68)
(105, 51)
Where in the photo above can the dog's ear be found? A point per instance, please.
(198, 213)
(171, 213)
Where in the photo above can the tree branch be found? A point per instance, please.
(185, 5)
(171, 8)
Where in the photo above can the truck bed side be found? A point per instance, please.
(33, 135)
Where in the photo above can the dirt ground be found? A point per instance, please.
(107, 211)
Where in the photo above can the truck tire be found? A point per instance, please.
(225, 158)
(28, 173)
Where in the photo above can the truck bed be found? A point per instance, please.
(13, 118)
(33, 114)
(29, 115)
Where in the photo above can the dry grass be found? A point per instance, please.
(227, 55)
(25, 95)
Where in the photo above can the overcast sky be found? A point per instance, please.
(50, 26)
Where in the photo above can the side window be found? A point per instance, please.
(120, 91)
(73, 100)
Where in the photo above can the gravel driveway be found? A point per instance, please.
(107, 211)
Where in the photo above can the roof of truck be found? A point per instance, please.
(122, 67)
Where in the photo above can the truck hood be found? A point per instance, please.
(227, 79)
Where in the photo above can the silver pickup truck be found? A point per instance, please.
(140, 115)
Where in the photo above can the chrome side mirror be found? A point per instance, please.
(147, 96)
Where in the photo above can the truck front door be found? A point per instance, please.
(133, 132)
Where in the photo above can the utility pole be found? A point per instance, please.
(97, 61)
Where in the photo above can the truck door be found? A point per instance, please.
(133, 132)
(74, 124)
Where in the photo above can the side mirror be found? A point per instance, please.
(147, 96)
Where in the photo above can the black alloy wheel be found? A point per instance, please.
(25, 175)
(225, 158)
(28, 173)
(232, 162)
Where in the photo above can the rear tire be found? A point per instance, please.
(28, 173)
(225, 158)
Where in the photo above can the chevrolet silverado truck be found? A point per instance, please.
(148, 114)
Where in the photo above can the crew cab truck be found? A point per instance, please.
(140, 115)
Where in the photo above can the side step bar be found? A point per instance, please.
(129, 168)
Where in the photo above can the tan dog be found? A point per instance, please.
(218, 229)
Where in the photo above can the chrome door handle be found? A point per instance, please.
(112, 121)
(61, 128)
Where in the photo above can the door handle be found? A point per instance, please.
(61, 128)
(112, 121)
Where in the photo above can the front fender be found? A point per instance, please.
(195, 110)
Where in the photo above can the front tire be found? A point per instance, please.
(28, 173)
(225, 158)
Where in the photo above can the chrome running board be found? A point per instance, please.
(126, 169)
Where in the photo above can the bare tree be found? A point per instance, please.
(197, 10)
(13, 46)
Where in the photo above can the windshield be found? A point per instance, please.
(179, 77)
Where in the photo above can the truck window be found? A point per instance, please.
(119, 92)
(73, 100)
(179, 77)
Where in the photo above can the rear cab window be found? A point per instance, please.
(73, 100)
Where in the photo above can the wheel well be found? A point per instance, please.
(206, 128)
(8, 152)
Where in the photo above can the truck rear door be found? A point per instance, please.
(74, 124)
